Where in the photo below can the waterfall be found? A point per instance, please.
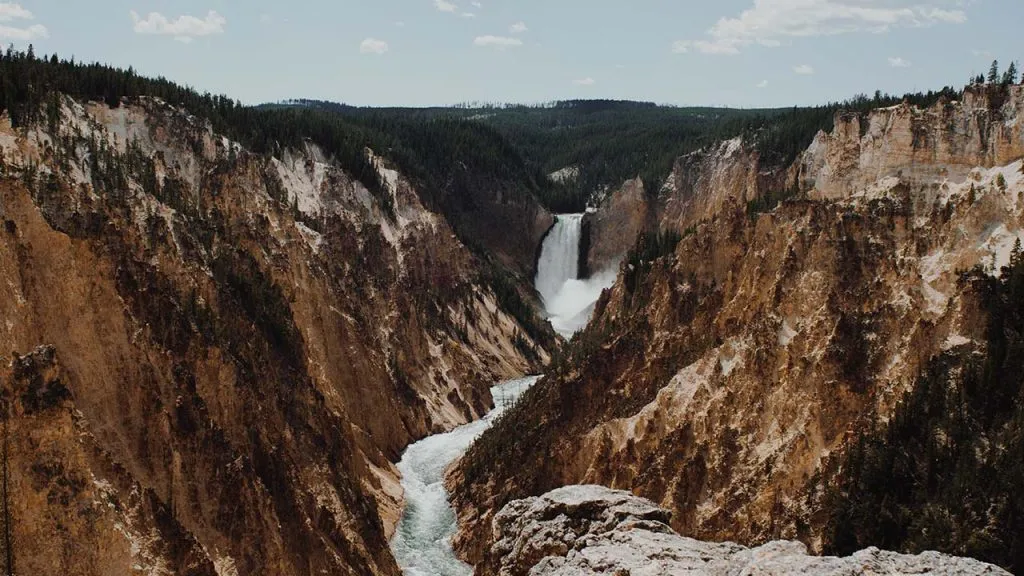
(559, 257)
(569, 301)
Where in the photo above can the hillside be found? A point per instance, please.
(578, 149)
(217, 353)
(802, 353)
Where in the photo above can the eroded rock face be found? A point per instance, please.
(916, 146)
(584, 530)
(613, 229)
(705, 182)
(700, 186)
(245, 344)
(910, 145)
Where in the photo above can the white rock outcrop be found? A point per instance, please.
(583, 530)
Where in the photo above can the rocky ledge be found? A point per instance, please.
(582, 530)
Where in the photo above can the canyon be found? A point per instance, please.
(225, 361)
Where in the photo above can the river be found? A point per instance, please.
(422, 541)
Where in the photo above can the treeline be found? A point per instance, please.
(782, 136)
(947, 472)
(1007, 78)
(503, 147)
(433, 147)
(30, 89)
(608, 142)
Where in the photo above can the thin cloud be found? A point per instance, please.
(445, 6)
(373, 46)
(686, 46)
(497, 42)
(518, 28)
(898, 62)
(183, 28)
(762, 84)
(769, 22)
(803, 70)
(477, 5)
(33, 32)
(11, 12)
(468, 15)
(584, 82)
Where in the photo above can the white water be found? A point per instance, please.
(569, 301)
(560, 256)
(422, 542)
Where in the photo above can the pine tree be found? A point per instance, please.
(1016, 272)
(1010, 77)
(993, 72)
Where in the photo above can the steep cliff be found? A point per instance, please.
(700, 185)
(224, 352)
(613, 228)
(918, 146)
(726, 377)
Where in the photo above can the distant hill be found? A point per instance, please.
(610, 141)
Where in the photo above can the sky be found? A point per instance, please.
(737, 53)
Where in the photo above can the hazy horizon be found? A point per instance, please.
(440, 53)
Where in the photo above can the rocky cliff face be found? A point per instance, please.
(917, 147)
(704, 183)
(217, 355)
(726, 380)
(700, 186)
(611, 229)
(580, 530)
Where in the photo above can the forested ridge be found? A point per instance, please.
(512, 146)
(947, 472)
(610, 141)
(448, 160)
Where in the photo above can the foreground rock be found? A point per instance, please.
(580, 530)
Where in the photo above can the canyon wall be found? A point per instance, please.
(728, 379)
(212, 358)
(700, 185)
(610, 230)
